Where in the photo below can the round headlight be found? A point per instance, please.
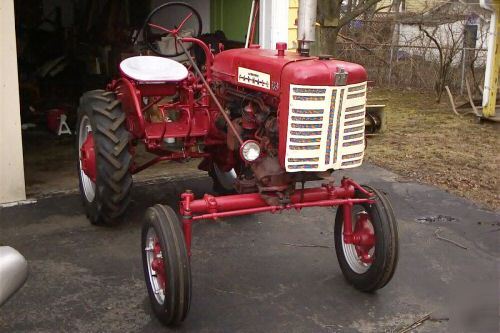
(250, 150)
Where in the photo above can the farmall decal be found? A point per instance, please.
(254, 78)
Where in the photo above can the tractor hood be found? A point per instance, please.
(266, 71)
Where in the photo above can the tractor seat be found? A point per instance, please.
(153, 69)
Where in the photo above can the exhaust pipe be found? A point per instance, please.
(306, 25)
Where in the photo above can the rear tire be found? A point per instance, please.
(169, 280)
(375, 275)
(100, 113)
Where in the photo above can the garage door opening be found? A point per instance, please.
(68, 47)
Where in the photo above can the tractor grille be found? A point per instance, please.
(326, 127)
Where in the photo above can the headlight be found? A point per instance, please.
(250, 150)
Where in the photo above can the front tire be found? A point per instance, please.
(105, 191)
(166, 265)
(369, 268)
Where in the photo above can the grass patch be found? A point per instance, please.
(426, 142)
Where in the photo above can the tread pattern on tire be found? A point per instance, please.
(394, 245)
(113, 158)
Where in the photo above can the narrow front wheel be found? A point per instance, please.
(369, 263)
(166, 265)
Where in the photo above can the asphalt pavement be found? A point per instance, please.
(260, 273)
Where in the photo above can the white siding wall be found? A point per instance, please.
(11, 148)
(273, 21)
(410, 35)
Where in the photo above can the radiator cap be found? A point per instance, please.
(281, 47)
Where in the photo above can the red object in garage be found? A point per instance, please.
(53, 119)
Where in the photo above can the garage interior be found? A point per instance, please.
(65, 48)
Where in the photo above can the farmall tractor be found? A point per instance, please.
(263, 122)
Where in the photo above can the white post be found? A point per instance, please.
(489, 59)
(273, 22)
(11, 147)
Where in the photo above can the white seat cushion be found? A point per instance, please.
(153, 69)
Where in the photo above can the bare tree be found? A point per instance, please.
(332, 17)
(448, 48)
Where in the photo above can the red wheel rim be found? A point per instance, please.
(87, 161)
(359, 253)
(364, 238)
(87, 157)
(156, 266)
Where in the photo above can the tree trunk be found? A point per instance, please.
(331, 22)
(328, 18)
(327, 40)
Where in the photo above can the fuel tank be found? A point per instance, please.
(266, 71)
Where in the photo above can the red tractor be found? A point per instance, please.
(262, 121)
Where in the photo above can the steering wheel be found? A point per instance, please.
(161, 43)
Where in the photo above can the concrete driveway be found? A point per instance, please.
(262, 273)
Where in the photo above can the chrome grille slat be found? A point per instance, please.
(353, 129)
(354, 122)
(356, 95)
(352, 156)
(308, 111)
(353, 136)
(305, 140)
(309, 90)
(356, 88)
(305, 118)
(309, 98)
(312, 134)
(355, 115)
(303, 166)
(314, 159)
(354, 108)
